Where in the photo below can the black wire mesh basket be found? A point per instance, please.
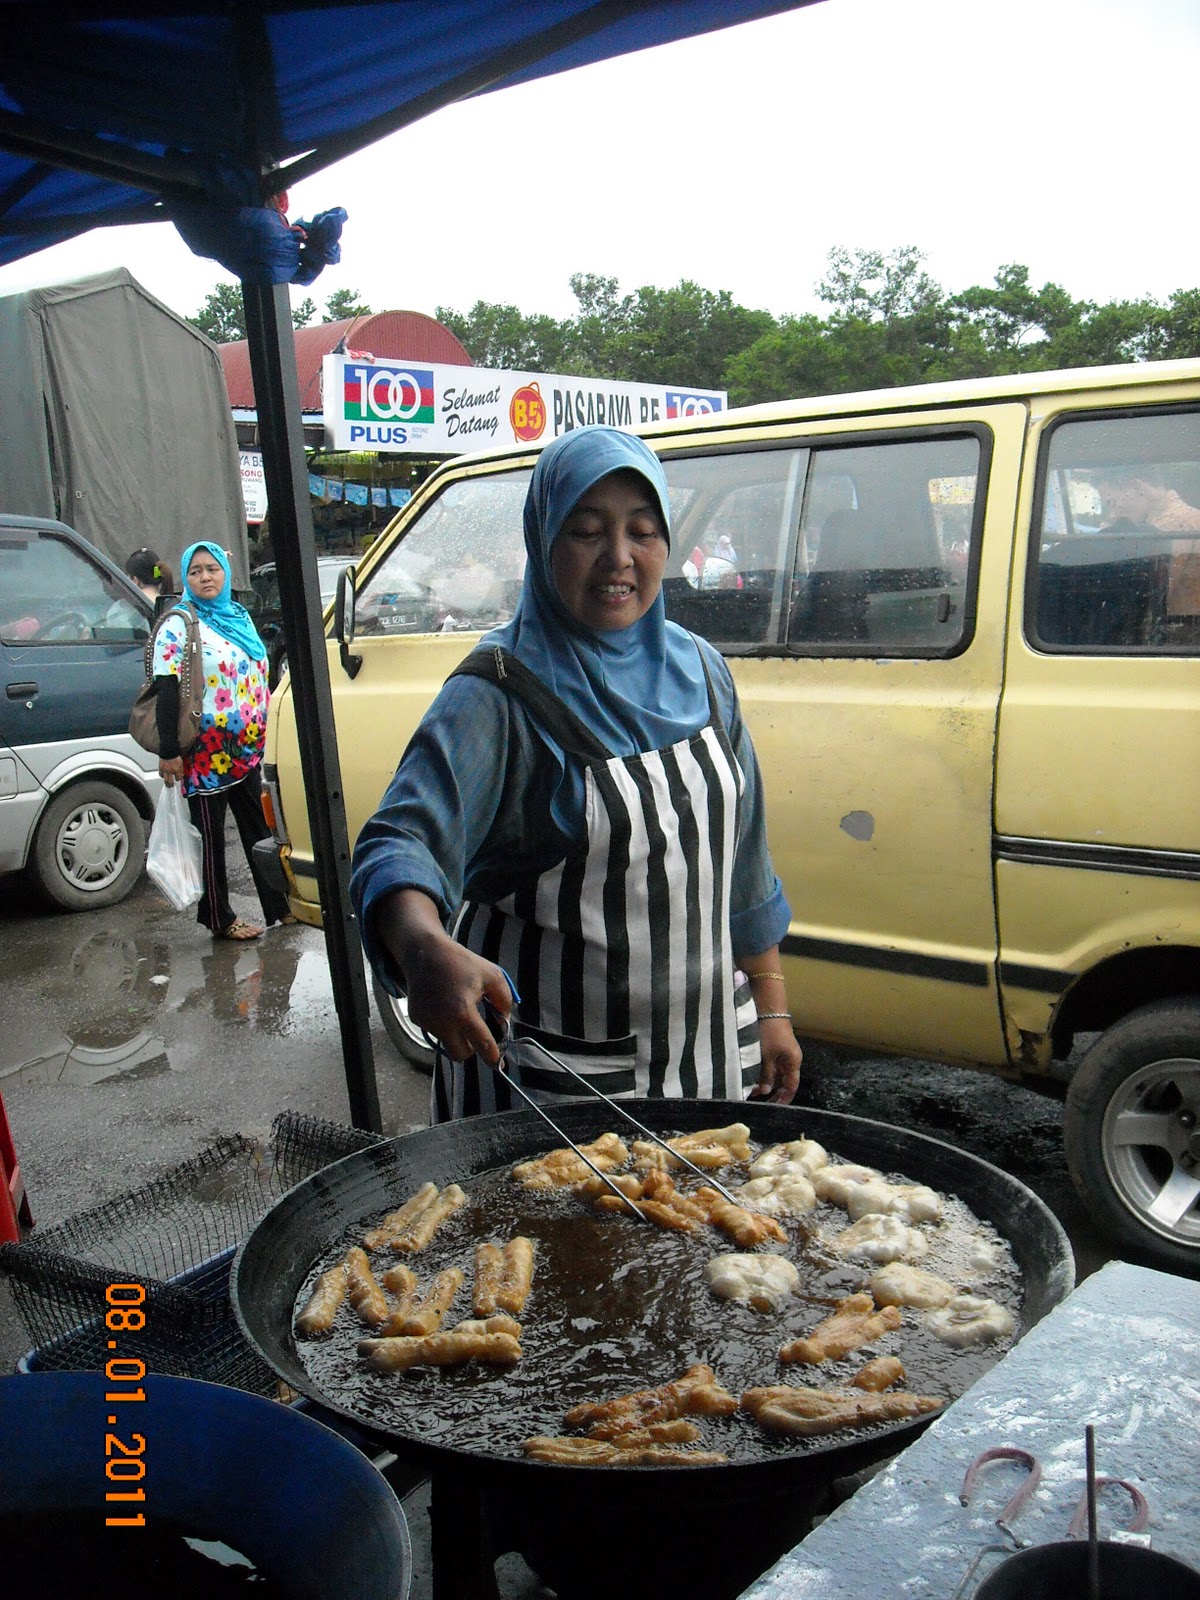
(175, 1239)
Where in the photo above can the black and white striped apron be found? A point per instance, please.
(621, 952)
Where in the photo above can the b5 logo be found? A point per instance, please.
(527, 413)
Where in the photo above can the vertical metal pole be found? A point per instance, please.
(277, 396)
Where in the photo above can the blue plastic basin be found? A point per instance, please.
(262, 1478)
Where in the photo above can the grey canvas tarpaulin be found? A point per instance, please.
(117, 421)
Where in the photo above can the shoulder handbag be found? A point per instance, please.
(143, 724)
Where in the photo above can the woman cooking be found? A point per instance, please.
(582, 806)
(222, 768)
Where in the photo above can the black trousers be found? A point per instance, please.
(207, 811)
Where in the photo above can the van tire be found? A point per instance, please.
(1145, 1067)
(90, 847)
(407, 1038)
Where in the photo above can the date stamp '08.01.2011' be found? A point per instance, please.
(124, 1450)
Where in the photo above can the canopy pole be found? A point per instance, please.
(277, 396)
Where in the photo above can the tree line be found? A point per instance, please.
(222, 317)
(886, 322)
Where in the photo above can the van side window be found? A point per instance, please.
(458, 567)
(732, 517)
(51, 593)
(884, 552)
(1116, 561)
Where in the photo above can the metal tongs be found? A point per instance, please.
(501, 1030)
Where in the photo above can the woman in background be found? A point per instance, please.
(150, 572)
(222, 768)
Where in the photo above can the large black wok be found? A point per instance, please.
(664, 1524)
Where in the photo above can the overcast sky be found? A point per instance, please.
(1058, 133)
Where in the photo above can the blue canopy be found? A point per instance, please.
(119, 112)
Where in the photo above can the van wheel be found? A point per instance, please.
(1132, 1132)
(401, 1030)
(90, 848)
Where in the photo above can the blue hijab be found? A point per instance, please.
(639, 688)
(224, 615)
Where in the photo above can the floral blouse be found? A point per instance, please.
(233, 721)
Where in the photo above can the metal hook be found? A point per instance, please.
(1016, 1505)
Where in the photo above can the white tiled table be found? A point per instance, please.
(1121, 1352)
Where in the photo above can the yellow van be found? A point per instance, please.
(964, 622)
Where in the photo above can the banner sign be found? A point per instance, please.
(392, 405)
(254, 485)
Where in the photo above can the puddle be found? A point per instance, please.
(81, 1066)
(111, 1006)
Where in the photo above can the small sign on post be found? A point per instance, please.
(254, 485)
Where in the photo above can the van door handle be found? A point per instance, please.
(21, 691)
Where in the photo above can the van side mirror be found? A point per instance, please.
(343, 622)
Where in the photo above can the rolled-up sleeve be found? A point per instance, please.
(437, 811)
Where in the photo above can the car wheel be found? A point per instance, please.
(1133, 1136)
(90, 847)
(401, 1030)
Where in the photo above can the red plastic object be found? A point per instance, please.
(14, 1203)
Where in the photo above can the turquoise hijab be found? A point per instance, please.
(639, 688)
(224, 615)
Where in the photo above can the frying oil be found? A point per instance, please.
(618, 1305)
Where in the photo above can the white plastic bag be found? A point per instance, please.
(174, 854)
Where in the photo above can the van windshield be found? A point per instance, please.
(458, 568)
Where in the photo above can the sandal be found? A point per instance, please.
(239, 930)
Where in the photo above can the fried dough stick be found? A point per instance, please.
(448, 1349)
(489, 1275)
(397, 1222)
(425, 1314)
(707, 1147)
(803, 1413)
(320, 1308)
(657, 1198)
(402, 1282)
(559, 1168)
(745, 1228)
(594, 1188)
(365, 1295)
(517, 1275)
(501, 1322)
(423, 1226)
(854, 1322)
(569, 1452)
(882, 1373)
(696, 1393)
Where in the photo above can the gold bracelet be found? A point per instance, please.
(773, 1016)
(755, 976)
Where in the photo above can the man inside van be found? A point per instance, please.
(1143, 497)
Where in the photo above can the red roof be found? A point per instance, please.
(402, 335)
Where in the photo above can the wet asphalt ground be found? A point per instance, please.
(131, 1040)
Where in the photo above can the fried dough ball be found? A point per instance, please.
(797, 1158)
(762, 1281)
(970, 1319)
(836, 1181)
(898, 1284)
(782, 1194)
(880, 1239)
